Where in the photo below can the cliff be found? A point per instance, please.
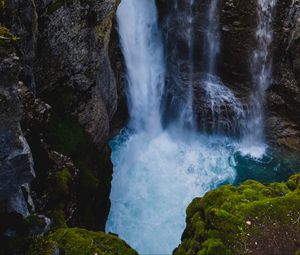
(58, 97)
(236, 31)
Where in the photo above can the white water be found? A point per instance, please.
(211, 36)
(158, 172)
(261, 66)
(143, 51)
(224, 109)
(155, 178)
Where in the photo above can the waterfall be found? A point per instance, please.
(187, 112)
(211, 36)
(143, 51)
(222, 111)
(261, 67)
(159, 170)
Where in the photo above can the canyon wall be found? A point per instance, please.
(237, 23)
(59, 96)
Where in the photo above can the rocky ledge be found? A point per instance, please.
(251, 219)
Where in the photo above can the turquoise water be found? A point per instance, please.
(157, 176)
(272, 167)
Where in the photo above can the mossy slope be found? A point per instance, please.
(250, 219)
(75, 241)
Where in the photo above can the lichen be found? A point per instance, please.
(237, 220)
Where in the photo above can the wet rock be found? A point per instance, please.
(16, 164)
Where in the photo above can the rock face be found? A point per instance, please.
(16, 164)
(72, 49)
(250, 219)
(63, 91)
(284, 94)
(236, 34)
(69, 94)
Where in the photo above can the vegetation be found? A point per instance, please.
(75, 241)
(6, 40)
(250, 219)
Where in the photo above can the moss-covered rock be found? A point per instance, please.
(1, 4)
(6, 40)
(75, 241)
(250, 219)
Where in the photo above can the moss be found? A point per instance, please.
(69, 138)
(6, 40)
(213, 247)
(62, 181)
(65, 135)
(42, 246)
(228, 219)
(58, 219)
(74, 241)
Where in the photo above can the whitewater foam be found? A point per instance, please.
(154, 180)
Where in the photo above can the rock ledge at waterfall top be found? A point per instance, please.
(251, 219)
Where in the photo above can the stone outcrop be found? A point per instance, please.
(284, 95)
(70, 95)
(63, 91)
(72, 49)
(250, 219)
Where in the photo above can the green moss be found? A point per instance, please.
(74, 241)
(6, 39)
(67, 136)
(42, 246)
(213, 247)
(58, 219)
(62, 181)
(226, 218)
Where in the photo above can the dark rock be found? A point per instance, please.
(73, 50)
(16, 164)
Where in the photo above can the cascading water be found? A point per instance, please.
(159, 169)
(157, 174)
(211, 42)
(143, 52)
(223, 113)
(187, 113)
(261, 66)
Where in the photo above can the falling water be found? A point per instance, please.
(143, 51)
(157, 172)
(222, 111)
(261, 66)
(187, 113)
(211, 36)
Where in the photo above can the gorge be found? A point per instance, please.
(116, 116)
